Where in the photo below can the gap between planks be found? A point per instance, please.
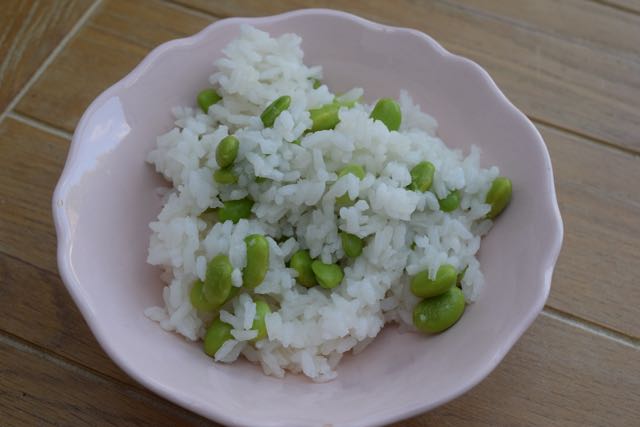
(591, 327)
(52, 56)
(39, 125)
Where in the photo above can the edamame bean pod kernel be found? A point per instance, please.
(353, 169)
(451, 202)
(325, 117)
(262, 309)
(225, 176)
(388, 112)
(198, 301)
(227, 151)
(328, 275)
(235, 210)
(499, 196)
(422, 176)
(257, 260)
(301, 263)
(433, 315)
(271, 113)
(206, 98)
(217, 334)
(422, 286)
(217, 280)
(351, 244)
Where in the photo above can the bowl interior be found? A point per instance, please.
(107, 198)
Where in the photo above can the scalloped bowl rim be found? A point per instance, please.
(72, 163)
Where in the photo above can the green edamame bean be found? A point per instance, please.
(316, 83)
(301, 263)
(499, 196)
(451, 202)
(328, 275)
(271, 113)
(198, 301)
(388, 112)
(353, 169)
(351, 244)
(262, 309)
(235, 210)
(437, 314)
(206, 98)
(225, 176)
(257, 260)
(325, 117)
(227, 151)
(422, 176)
(422, 286)
(348, 104)
(217, 334)
(217, 280)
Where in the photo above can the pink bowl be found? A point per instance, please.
(105, 200)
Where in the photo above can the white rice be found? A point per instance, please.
(308, 329)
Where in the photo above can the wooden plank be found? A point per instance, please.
(38, 308)
(118, 36)
(30, 164)
(597, 273)
(38, 389)
(632, 6)
(581, 21)
(574, 86)
(555, 376)
(29, 31)
(148, 23)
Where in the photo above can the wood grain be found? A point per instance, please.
(572, 85)
(37, 389)
(29, 31)
(555, 376)
(38, 308)
(596, 277)
(624, 5)
(119, 35)
(580, 21)
(30, 164)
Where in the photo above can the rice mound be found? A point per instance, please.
(309, 329)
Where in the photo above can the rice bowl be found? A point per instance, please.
(106, 197)
(291, 177)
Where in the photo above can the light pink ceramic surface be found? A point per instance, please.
(105, 200)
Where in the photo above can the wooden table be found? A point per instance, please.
(573, 66)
